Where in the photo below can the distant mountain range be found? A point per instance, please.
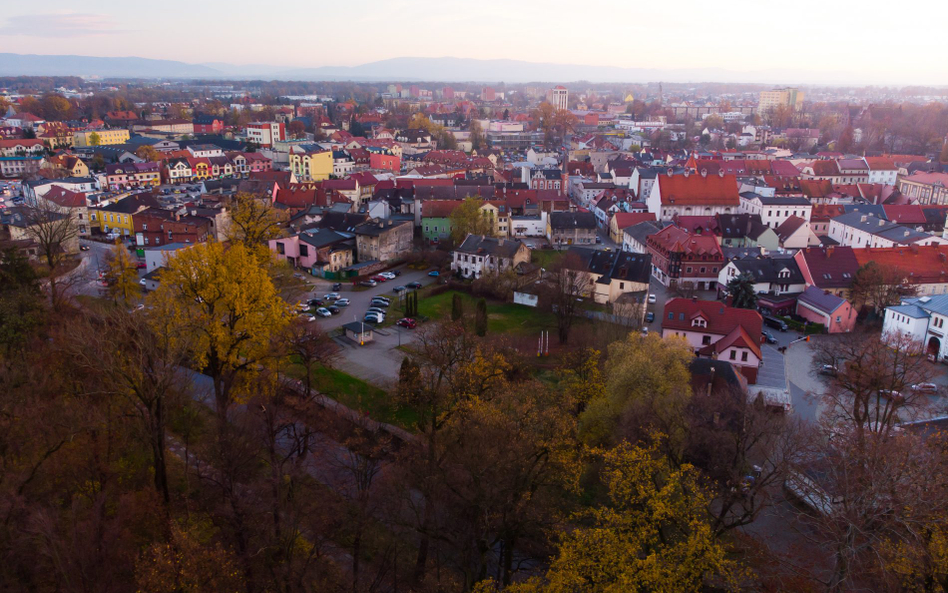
(445, 69)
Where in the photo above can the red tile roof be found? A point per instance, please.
(814, 188)
(626, 219)
(65, 198)
(922, 264)
(675, 239)
(439, 208)
(824, 168)
(784, 169)
(905, 214)
(721, 320)
(712, 190)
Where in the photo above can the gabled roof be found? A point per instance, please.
(830, 267)
(481, 245)
(572, 220)
(712, 190)
(821, 300)
(721, 319)
(615, 265)
(769, 270)
(791, 225)
(625, 220)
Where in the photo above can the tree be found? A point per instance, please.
(147, 152)
(647, 389)
(311, 348)
(581, 376)
(254, 221)
(121, 275)
(55, 231)
(94, 139)
(184, 564)
(223, 305)
(480, 318)
(565, 283)
(469, 219)
(943, 157)
(845, 142)
(477, 135)
(553, 122)
(297, 129)
(457, 307)
(877, 286)
(21, 308)
(742, 293)
(651, 535)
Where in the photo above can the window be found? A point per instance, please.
(705, 340)
(671, 316)
(744, 356)
(733, 354)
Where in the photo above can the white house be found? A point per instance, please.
(774, 276)
(773, 211)
(479, 254)
(923, 320)
(855, 229)
(528, 226)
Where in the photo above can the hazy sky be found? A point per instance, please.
(741, 35)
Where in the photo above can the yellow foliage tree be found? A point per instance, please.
(221, 303)
(469, 219)
(648, 384)
(653, 534)
(254, 221)
(122, 275)
(186, 565)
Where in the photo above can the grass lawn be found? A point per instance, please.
(501, 317)
(545, 258)
(357, 394)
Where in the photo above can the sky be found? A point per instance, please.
(741, 35)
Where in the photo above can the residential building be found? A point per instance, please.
(681, 258)
(324, 252)
(266, 134)
(559, 97)
(18, 167)
(634, 238)
(830, 268)
(155, 226)
(82, 138)
(855, 229)
(924, 268)
(773, 211)
(835, 313)
(613, 274)
(922, 321)
(478, 255)
(786, 97)
(311, 165)
(383, 240)
(624, 220)
(693, 194)
(714, 330)
(119, 217)
(794, 233)
(74, 202)
(21, 147)
(129, 175)
(571, 228)
(20, 228)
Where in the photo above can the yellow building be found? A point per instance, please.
(311, 166)
(497, 212)
(788, 97)
(100, 137)
(200, 169)
(119, 217)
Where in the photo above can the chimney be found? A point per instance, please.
(862, 218)
(704, 173)
(686, 173)
(721, 173)
(829, 251)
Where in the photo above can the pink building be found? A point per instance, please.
(819, 306)
(320, 251)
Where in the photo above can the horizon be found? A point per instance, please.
(106, 28)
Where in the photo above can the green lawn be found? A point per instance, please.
(545, 258)
(501, 317)
(357, 394)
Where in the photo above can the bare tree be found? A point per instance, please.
(311, 347)
(566, 283)
(55, 231)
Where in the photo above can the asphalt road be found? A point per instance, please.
(360, 299)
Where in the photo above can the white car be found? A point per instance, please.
(343, 302)
(388, 275)
(323, 312)
(651, 299)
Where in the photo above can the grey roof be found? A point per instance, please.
(615, 265)
(911, 311)
(168, 247)
(322, 237)
(481, 245)
(824, 301)
(876, 210)
(933, 304)
(378, 227)
(641, 231)
(768, 270)
(358, 327)
(781, 200)
(571, 220)
(903, 234)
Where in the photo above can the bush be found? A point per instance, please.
(802, 326)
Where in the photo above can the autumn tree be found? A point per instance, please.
(121, 275)
(310, 348)
(553, 122)
(480, 318)
(477, 135)
(223, 305)
(21, 305)
(565, 283)
(254, 221)
(580, 374)
(742, 293)
(94, 139)
(470, 219)
(297, 129)
(56, 233)
(647, 389)
(186, 564)
(651, 534)
(148, 152)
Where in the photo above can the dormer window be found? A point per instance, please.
(699, 322)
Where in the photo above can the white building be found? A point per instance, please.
(855, 229)
(774, 211)
(923, 320)
(559, 97)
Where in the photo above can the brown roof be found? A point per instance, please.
(698, 190)
(721, 320)
(922, 264)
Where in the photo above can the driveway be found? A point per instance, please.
(360, 299)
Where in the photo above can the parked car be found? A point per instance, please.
(652, 299)
(649, 317)
(925, 388)
(368, 283)
(334, 309)
(644, 331)
(598, 239)
(414, 285)
(770, 338)
(397, 272)
(383, 299)
(379, 278)
(407, 323)
(140, 265)
(387, 275)
(302, 309)
(891, 394)
(829, 369)
(343, 302)
(434, 273)
(399, 289)
(316, 302)
(381, 304)
(337, 286)
(378, 310)
(373, 318)
(83, 248)
(331, 296)
(775, 323)
(323, 312)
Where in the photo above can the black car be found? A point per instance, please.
(334, 309)
(414, 285)
(775, 323)
(337, 287)
(770, 338)
(397, 272)
(315, 302)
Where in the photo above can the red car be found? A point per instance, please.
(380, 278)
(140, 265)
(407, 322)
